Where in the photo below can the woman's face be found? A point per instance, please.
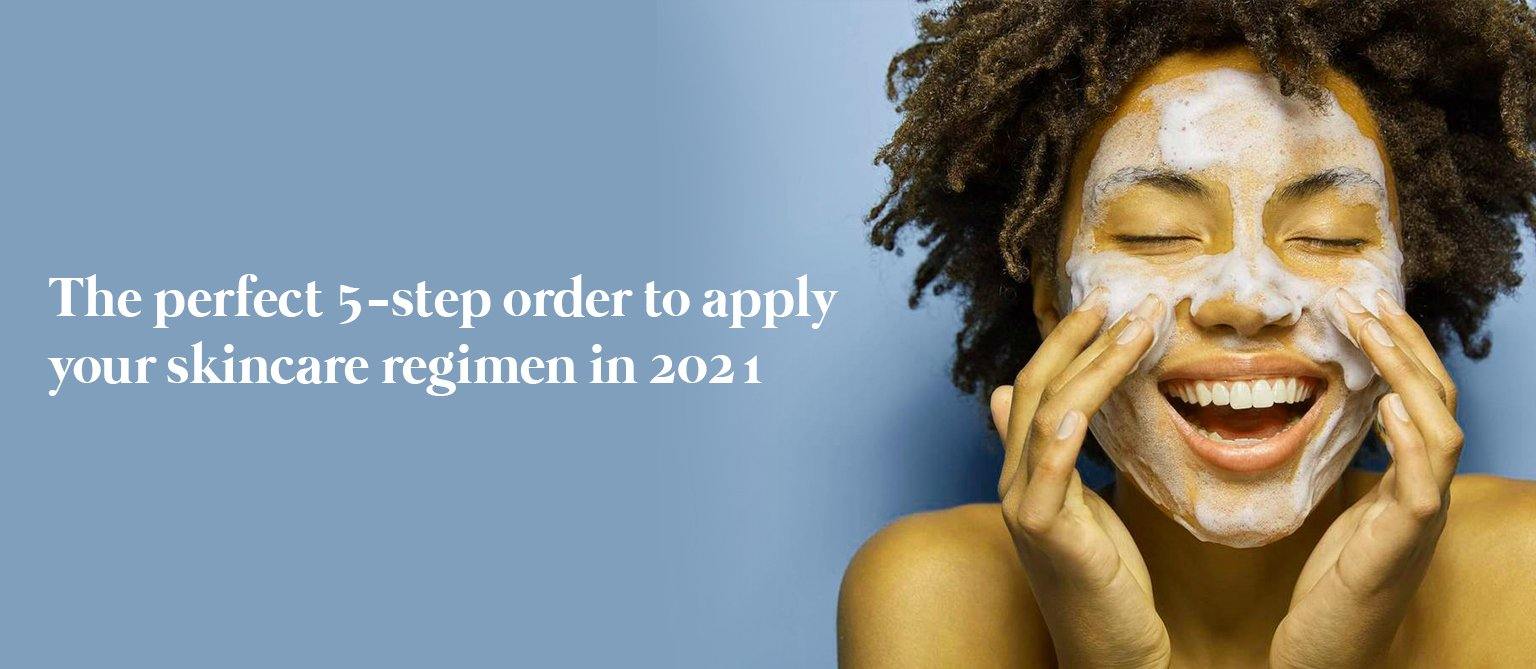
(1245, 212)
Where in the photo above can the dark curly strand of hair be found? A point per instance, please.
(997, 94)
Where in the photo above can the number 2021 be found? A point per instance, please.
(694, 369)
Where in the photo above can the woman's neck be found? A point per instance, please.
(1219, 601)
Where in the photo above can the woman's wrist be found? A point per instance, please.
(1152, 653)
(1157, 660)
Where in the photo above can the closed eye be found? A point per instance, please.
(1331, 244)
(1154, 240)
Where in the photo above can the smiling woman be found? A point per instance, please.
(1246, 211)
(1189, 228)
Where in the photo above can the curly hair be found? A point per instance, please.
(997, 95)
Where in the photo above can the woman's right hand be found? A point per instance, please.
(1087, 576)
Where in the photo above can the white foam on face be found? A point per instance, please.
(1234, 128)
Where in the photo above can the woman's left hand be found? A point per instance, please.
(1355, 589)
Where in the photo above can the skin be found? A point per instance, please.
(1414, 567)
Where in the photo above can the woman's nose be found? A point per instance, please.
(1225, 312)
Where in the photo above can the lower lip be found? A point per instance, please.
(1248, 458)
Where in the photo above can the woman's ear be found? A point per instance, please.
(1044, 299)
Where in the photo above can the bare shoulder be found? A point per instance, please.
(1491, 525)
(942, 588)
(1477, 594)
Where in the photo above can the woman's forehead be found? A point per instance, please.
(1239, 58)
(1232, 125)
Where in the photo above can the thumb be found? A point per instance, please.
(1002, 404)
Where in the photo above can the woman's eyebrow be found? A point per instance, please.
(1319, 182)
(1168, 180)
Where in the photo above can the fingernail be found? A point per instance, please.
(1069, 424)
(1092, 300)
(1132, 330)
(1349, 302)
(1387, 304)
(1378, 333)
(1149, 307)
(1395, 403)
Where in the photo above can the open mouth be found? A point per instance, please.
(1244, 424)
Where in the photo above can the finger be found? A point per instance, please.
(1350, 316)
(1419, 391)
(1058, 349)
(1150, 309)
(1067, 339)
(1001, 403)
(1058, 427)
(1087, 391)
(1405, 330)
(1046, 491)
(1414, 486)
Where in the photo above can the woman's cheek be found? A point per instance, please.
(1126, 279)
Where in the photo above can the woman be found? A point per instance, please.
(1227, 239)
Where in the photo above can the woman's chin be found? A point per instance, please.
(1241, 492)
(1233, 476)
(1243, 521)
(1242, 512)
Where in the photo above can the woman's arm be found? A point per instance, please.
(1094, 594)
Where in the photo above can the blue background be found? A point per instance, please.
(698, 144)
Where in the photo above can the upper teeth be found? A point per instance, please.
(1253, 394)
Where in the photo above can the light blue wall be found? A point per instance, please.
(696, 143)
